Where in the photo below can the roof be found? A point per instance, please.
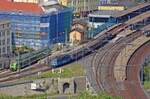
(51, 2)
(125, 12)
(139, 18)
(115, 4)
(103, 13)
(79, 30)
(52, 8)
(20, 7)
(80, 22)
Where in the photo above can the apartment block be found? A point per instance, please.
(5, 44)
(5, 38)
(37, 26)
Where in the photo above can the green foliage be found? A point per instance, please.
(83, 95)
(146, 84)
(147, 75)
(72, 70)
(2, 96)
(87, 95)
(22, 49)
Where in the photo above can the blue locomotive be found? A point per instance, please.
(61, 60)
(75, 55)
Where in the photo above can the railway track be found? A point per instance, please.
(16, 76)
(106, 56)
(29, 69)
(9, 75)
(23, 74)
(100, 59)
(116, 30)
(104, 64)
(133, 69)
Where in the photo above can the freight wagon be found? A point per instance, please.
(79, 53)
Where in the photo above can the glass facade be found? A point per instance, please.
(56, 27)
(38, 31)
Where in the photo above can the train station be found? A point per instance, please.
(74, 49)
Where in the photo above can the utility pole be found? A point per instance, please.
(18, 62)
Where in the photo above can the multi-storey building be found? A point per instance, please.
(37, 26)
(5, 43)
(80, 7)
(5, 38)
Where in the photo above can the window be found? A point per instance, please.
(3, 33)
(4, 50)
(3, 42)
(98, 19)
(8, 49)
(8, 40)
(0, 51)
(8, 32)
(8, 25)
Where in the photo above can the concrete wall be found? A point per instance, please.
(49, 85)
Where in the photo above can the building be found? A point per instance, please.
(77, 36)
(5, 38)
(103, 19)
(99, 18)
(5, 43)
(111, 7)
(78, 32)
(37, 26)
(80, 7)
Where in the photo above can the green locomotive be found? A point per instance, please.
(23, 61)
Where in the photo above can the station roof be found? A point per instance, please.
(139, 18)
(20, 7)
(125, 12)
(103, 13)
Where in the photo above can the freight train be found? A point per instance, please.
(67, 57)
(84, 50)
(87, 48)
